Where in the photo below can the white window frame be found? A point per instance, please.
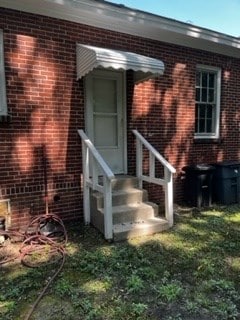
(216, 133)
(3, 98)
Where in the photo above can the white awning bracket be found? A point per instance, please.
(89, 58)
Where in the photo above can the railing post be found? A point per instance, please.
(108, 219)
(168, 177)
(139, 162)
(151, 165)
(86, 189)
(94, 173)
(88, 150)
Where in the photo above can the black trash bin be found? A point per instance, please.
(198, 185)
(226, 182)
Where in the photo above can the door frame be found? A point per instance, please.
(87, 100)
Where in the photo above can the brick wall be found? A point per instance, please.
(47, 107)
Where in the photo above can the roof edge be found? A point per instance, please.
(119, 18)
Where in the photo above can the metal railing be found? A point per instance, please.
(166, 182)
(92, 158)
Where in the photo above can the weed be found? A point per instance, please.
(191, 306)
(138, 309)
(226, 310)
(169, 292)
(205, 268)
(89, 311)
(135, 284)
(222, 286)
(63, 287)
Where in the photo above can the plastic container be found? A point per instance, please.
(226, 182)
(198, 185)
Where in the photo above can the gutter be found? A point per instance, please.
(104, 14)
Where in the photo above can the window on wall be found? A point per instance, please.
(207, 105)
(3, 100)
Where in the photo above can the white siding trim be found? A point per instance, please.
(218, 71)
(3, 99)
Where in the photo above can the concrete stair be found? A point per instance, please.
(133, 214)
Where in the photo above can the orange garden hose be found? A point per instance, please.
(36, 242)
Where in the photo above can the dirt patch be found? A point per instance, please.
(9, 251)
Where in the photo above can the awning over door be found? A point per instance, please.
(89, 58)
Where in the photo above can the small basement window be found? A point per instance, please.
(207, 102)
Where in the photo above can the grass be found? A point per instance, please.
(191, 272)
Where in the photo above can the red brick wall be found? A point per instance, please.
(164, 111)
(47, 107)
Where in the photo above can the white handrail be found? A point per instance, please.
(105, 168)
(167, 182)
(156, 154)
(91, 181)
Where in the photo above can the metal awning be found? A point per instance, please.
(89, 58)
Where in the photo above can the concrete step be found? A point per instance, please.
(133, 212)
(139, 228)
(121, 197)
(133, 215)
(124, 182)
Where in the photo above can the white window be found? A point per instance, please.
(3, 100)
(207, 102)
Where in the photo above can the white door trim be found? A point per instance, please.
(88, 103)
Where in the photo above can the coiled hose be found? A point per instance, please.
(43, 231)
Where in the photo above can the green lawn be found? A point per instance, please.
(191, 272)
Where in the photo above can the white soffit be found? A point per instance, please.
(106, 15)
(89, 58)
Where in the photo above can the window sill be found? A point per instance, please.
(208, 140)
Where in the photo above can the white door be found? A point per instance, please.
(105, 102)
